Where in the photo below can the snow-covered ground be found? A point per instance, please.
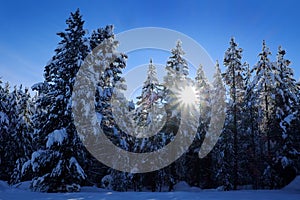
(291, 192)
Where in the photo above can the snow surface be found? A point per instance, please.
(294, 186)
(21, 191)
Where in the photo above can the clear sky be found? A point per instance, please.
(28, 28)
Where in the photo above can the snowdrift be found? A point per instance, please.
(294, 185)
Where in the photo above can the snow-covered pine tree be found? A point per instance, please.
(234, 80)
(56, 163)
(40, 115)
(222, 152)
(4, 133)
(11, 144)
(22, 132)
(177, 72)
(177, 67)
(264, 81)
(109, 78)
(250, 127)
(94, 169)
(176, 77)
(148, 118)
(200, 169)
(150, 100)
(109, 87)
(286, 103)
(203, 88)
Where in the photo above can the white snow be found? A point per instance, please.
(184, 187)
(34, 159)
(56, 136)
(25, 166)
(290, 192)
(99, 117)
(289, 118)
(294, 186)
(3, 186)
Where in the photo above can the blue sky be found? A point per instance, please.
(28, 28)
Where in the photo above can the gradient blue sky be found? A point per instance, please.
(28, 28)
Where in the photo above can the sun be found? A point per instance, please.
(187, 96)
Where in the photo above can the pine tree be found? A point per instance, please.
(286, 102)
(200, 169)
(94, 169)
(148, 102)
(56, 163)
(105, 76)
(250, 127)
(149, 119)
(175, 82)
(264, 80)
(11, 144)
(22, 133)
(4, 133)
(223, 150)
(203, 88)
(177, 67)
(234, 79)
(110, 77)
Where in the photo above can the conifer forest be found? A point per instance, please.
(259, 144)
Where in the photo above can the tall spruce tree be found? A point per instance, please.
(94, 169)
(55, 164)
(234, 79)
(250, 127)
(175, 81)
(200, 169)
(264, 79)
(109, 86)
(286, 103)
(221, 155)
